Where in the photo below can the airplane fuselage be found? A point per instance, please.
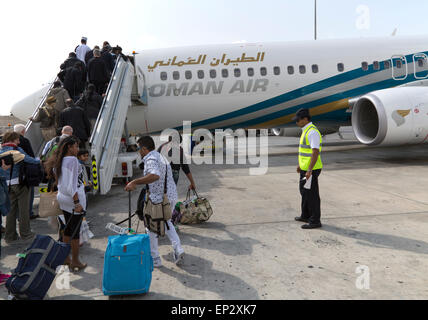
(262, 85)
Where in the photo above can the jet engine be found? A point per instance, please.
(389, 117)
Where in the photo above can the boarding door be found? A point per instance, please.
(420, 61)
(144, 98)
(399, 67)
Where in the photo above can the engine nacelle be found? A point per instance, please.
(394, 116)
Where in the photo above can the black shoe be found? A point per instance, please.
(300, 219)
(34, 217)
(312, 226)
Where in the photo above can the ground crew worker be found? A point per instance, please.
(310, 166)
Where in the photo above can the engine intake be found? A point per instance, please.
(392, 117)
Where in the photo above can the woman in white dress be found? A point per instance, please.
(71, 196)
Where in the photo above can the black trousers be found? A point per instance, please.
(100, 87)
(311, 201)
(72, 225)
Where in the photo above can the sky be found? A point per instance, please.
(36, 36)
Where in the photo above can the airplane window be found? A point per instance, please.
(277, 71)
(365, 66)
(315, 68)
(290, 70)
(250, 72)
(164, 76)
(263, 71)
(237, 73)
(340, 67)
(201, 74)
(421, 63)
(302, 69)
(225, 73)
(213, 74)
(399, 64)
(188, 75)
(376, 65)
(387, 64)
(176, 75)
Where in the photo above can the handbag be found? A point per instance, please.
(195, 211)
(49, 206)
(85, 233)
(156, 216)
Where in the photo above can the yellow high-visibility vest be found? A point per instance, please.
(305, 151)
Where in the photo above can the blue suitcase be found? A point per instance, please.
(36, 268)
(128, 265)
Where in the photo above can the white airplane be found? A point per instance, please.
(377, 84)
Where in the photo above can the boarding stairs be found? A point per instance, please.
(126, 89)
(109, 128)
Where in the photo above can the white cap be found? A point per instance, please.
(84, 38)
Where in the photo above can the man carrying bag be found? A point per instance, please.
(161, 198)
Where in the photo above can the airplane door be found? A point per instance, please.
(420, 61)
(139, 91)
(399, 67)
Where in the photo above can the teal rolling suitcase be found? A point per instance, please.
(128, 265)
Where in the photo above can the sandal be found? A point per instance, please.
(78, 268)
(67, 262)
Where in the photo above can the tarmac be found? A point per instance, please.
(374, 214)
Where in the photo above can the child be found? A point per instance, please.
(83, 157)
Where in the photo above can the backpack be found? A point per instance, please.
(50, 117)
(82, 102)
(53, 146)
(30, 174)
(140, 203)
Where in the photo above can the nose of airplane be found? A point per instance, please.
(25, 108)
